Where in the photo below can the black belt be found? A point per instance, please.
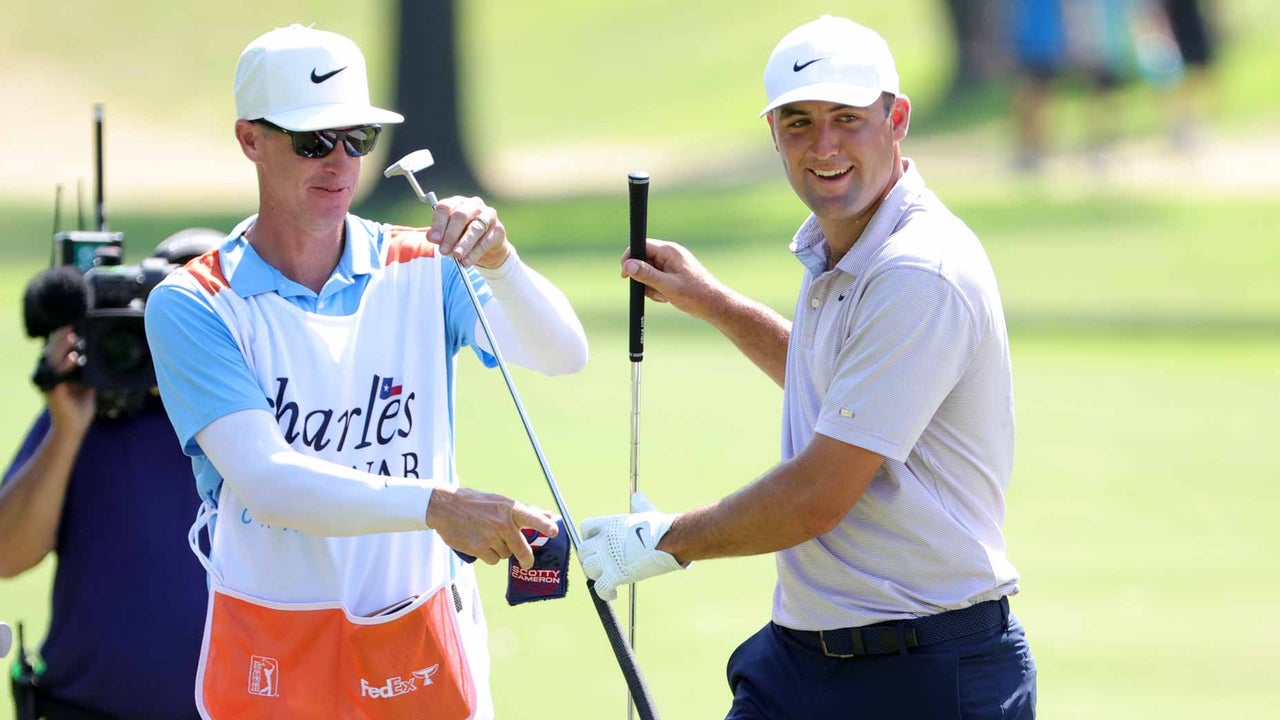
(897, 636)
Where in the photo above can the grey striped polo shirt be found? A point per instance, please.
(901, 349)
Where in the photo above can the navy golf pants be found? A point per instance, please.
(989, 675)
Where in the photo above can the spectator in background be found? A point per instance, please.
(1193, 31)
(1039, 50)
(112, 497)
(1051, 38)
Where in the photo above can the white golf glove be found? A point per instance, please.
(620, 549)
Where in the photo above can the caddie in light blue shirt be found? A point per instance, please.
(214, 380)
(307, 368)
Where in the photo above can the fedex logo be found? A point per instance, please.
(396, 686)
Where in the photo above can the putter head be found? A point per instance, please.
(411, 163)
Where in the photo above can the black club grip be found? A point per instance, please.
(638, 185)
(625, 655)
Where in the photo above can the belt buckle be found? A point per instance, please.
(857, 642)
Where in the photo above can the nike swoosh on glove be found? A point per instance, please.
(620, 549)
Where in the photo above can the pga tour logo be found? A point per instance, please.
(264, 676)
(396, 686)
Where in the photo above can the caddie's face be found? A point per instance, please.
(313, 193)
(839, 159)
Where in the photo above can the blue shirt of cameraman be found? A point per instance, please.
(129, 600)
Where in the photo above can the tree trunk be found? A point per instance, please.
(978, 27)
(427, 94)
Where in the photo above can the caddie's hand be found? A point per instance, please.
(486, 525)
(71, 403)
(620, 549)
(673, 275)
(469, 230)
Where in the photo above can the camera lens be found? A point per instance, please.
(125, 349)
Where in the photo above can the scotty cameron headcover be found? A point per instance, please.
(548, 579)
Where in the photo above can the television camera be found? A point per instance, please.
(89, 288)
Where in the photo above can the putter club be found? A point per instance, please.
(638, 197)
(410, 164)
(407, 166)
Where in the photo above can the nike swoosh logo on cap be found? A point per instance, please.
(797, 66)
(321, 78)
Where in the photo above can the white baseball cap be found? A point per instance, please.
(831, 59)
(301, 78)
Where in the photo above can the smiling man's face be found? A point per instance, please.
(839, 159)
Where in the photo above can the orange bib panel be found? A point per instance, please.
(278, 663)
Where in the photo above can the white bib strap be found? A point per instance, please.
(204, 521)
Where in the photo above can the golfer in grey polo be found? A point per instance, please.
(885, 513)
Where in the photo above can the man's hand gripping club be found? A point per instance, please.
(620, 549)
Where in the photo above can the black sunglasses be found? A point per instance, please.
(315, 144)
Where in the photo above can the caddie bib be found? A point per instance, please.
(378, 627)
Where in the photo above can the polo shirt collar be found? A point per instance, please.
(810, 246)
(248, 274)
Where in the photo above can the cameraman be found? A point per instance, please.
(110, 493)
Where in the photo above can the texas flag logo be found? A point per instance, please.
(389, 389)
